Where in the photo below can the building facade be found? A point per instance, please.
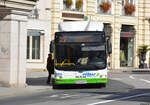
(125, 23)
(13, 32)
(38, 35)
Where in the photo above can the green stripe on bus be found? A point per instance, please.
(88, 80)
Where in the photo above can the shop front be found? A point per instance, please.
(127, 46)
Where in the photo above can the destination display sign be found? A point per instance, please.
(93, 48)
(79, 38)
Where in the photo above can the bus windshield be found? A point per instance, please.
(78, 57)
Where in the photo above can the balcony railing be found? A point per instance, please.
(73, 5)
(104, 6)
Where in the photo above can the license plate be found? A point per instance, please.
(81, 82)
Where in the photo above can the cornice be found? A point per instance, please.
(25, 5)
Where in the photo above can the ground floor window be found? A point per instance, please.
(127, 46)
(34, 44)
(126, 52)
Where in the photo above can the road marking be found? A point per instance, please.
(65, 94)
(145, 80)
(116, 78)
(54, 96)
(131, 76)
(119, 99)
(69, 96)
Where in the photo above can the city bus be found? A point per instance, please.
(80, 55)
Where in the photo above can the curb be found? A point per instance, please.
(117, 71)
(141, 70)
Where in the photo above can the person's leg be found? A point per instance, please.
(49, 78)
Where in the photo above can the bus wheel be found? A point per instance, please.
(55, 86)
(104, 85)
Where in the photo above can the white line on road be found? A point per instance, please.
(65, 94)
(131, 76)
(118, 99)
(145, 80)
(116, 78)
(54, 96)
(69, 96)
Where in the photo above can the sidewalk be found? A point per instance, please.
(129, 70)
(36, 83)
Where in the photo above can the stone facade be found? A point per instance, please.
(13, 31)
(41, 23)
(25, 5)
(116, 19)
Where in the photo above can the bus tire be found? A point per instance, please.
(104, 85)
(55, 86)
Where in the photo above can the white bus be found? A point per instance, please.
(80, 54)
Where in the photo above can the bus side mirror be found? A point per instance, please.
(109, 47)
(52, 46)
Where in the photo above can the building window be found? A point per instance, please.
(34, 44)
(108, 29)
(105, 6)
(127, 45)
(128, 7)
(73, 5)
(35, 47)
(28, 47)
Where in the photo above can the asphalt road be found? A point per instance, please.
(123, 89)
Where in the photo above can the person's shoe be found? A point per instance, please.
(48, 82)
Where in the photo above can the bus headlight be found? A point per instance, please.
(59, 81)
(58, 77)
(103, 79)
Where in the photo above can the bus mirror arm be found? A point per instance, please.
(109, 47)
(51, 46)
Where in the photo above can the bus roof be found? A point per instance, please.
(81, 26)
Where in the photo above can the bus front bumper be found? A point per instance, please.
(81, 81)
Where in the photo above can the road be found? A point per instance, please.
(124, 88)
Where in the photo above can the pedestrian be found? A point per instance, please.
(50, 67)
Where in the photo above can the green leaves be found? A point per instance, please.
(143, 49)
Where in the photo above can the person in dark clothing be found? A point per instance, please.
(50, 67)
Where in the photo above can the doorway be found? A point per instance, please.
(126, 52)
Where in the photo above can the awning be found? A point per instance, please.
(126, 34)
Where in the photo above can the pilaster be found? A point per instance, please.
(56, 15)
(116, 36)
(13, 34)
(91, 7)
